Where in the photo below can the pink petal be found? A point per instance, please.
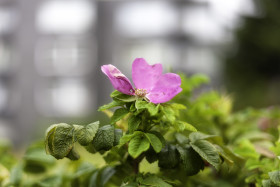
(144, 76)
(165, 88)
(119, 81)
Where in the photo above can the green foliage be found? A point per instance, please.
(191, 161)
(86, 134)
(104, 139)
(138, 145)
(195, 141)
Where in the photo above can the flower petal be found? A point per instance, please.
(119, 81)
(165, 88)
(144, 76)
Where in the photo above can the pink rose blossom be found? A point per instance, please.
(148, 80)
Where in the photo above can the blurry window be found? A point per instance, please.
(145, 18)
(63, 16)
(203, 60)
(64, 57)
(64, 98)
(7, 19)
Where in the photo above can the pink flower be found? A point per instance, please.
(148, 80)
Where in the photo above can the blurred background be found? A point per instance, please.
(51, 52)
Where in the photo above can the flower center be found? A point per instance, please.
(140, 92)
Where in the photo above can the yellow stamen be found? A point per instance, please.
(140, 92)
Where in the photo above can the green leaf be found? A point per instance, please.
(151, 107)
(181, 139)
(111, 105)
(126, 138)
(132, 108)
(151, 155)
(84, 169)
(119, 114)
(117, 137)
(125, 98)
(224, 155)
(168, 157)
(140, 104)
(86, 134)
(191, 161)
(155, 182)
(104, 138)
(207, 151)
(168, 112)
(115, 93)
(178, 106)
(133, 123)
(155, 142)
(49, 138)
(106, 174)
(73, 155)
(60, 140)
(275, 177)
(159, 135)
(93, 181)
(137, 145)
(194, 136)
(181, 126)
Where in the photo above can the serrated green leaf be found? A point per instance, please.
(126, 138)
(119, 114)
(140, 104)
(137, 145)
(168, 157)
(111, 105)
(181, 126)
(151, 107)
(275, 177)
(62, 140)
(194, 136)
(168, 112)
(155, 142)
(159, 135)
(181, 139)
(225, 156)
(104, 138)
(191, 161)
(155, 182)
(115, 93)
(86, 134)
(207, 151)
(133, 123)
(117, 137)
